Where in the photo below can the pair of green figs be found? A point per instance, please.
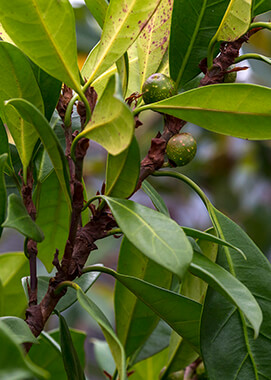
(181, 148)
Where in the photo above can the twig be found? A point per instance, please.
(31, 244)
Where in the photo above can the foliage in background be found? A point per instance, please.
(175, 286)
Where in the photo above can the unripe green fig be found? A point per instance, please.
(181, 149)
(230, 77)
(158, 87)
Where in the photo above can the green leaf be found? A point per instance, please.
(70, 358)
(193, 25)
(122, 171)
(85, 282)
(150, 368)
(132, 316)
(122, 65)
(19, 330)
(13, 363)
(157, 341)
(209, 237)
(154, 234)
(4, 148)
(18, 81)
(47, 354)
(236, 20)
(103, 355)
(40, 124)
(50, 90)
(112, 122)
(133, 85)
(238, 110)
(152, 43)
(53, 217)
(98, 9)
(230, 287)
(113, 341)
(242, 355)
(261, 6)
(4, 36)
(155, 197)
(179, 312)
(123, 23)
(19, 219)
(181, 354)
(49, 39)
(13, 266)
(3, 191)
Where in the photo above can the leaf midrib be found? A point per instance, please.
(148, 226)
(55, 46)
(187, 108)
(188, 53)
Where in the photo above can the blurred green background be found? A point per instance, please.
(234, 173)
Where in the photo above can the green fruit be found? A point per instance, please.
(181, 149)
(158, 87)
(230, 77)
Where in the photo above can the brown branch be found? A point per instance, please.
(82, 239)
(31, 244)
(155, 158)
(228, 52)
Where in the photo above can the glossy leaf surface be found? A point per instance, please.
(230, 287)
(19, 330)
(122, 65)
(154, 234)
(49, 140)
(112, 122)
(19, 219)
(13, 266)
(112, 340)
(123, 23)
(235, 21)
(98, 9)
(181, 313)
(153, 42)
(78, 339)
(150, 368)
(122, 171)
(238, 110)
(3, 191)
(157, 341)
(50, 90)
(71, 361)
(48, 352)
(53, 26)
(103, 355)
(209, 237)
(155, 197)
(53, 217)
(261, 6)
(193, 25)
(18, 81)
(85, 282)
(181, 353)
(13, 364)
(4, 148)
(245, 357)
(134, 320)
